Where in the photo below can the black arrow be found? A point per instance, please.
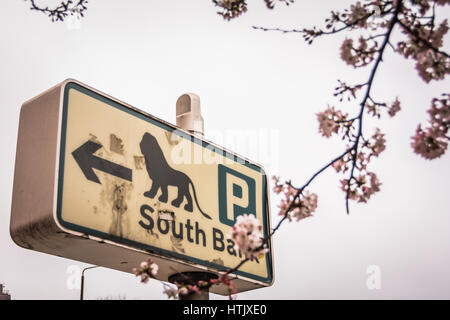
(85, 158)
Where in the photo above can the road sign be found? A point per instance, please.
(93, 173)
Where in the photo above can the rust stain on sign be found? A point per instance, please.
(177, 244)
(139, 162)
(115, 144)
(119, 208)
(218, 261)
(93, 138)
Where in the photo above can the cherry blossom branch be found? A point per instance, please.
(237, 267)
(316, 32)
(287, 211)
(234, 8)
(61, 11)
(440, 116)
(353, 149)
(310, 34)
(422, 40)
(355, 146)
(392, 46)
(430, 143)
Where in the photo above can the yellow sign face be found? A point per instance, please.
(135, 180)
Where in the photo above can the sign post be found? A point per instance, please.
(99, 181)
(189, 118)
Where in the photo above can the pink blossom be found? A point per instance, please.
(358, 15)
(440, 114)
(330, 121)
(378, 144)
(338, 165)
(374, 182)
(345, 187)
(360, 56)
(296, 204)
(443, 2)
(154, 269)
(278, 187)
(283, 206)
(432, 142)
(148, 269)
(428, 144)
(193, 289)
(231, 8)
(362, 160)
(290, 191)
(395, 107)
(144, 277)
(346, 52)
(430, 64)
(308, 205)
(247, 236)
(183, 291)
(438, 34)
(363, 187)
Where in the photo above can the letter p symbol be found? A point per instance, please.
(236, 195)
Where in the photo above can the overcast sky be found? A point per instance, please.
(148, 53)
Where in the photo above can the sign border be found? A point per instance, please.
(70, 84)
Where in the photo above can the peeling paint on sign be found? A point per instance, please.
(115, 144)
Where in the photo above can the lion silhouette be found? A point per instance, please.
(163, 175)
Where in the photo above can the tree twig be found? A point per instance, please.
(379, 58)
(62, 10)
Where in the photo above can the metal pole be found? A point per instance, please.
(82, 286)
(189, 117)
(82, 281)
